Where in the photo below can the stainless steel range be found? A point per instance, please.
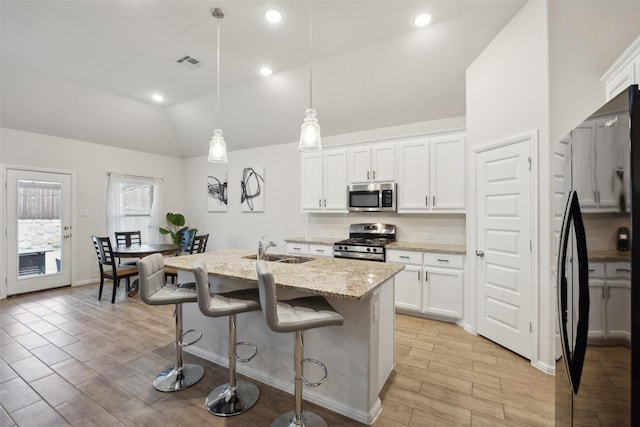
(366, 242)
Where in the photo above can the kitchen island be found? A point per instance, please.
(359, 354)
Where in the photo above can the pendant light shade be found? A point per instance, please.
(217, 146)
(310, 130)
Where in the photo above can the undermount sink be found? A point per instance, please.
(287, 259)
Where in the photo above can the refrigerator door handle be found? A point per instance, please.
(574, 358)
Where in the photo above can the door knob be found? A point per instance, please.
(66, 236)
(480, 254)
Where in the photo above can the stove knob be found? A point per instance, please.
(375, 249)
(368, 249)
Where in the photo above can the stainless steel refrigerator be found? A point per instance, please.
(597, 211)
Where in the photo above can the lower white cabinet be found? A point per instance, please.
(610, 296)
(312, 249)
(431, 284)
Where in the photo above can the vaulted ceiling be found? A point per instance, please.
(87, 69)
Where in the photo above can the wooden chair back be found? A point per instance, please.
(199, 244)
(104, 250)
(128, 238)
(185, 239)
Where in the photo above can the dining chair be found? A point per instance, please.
(199, 244)
(185, 241)
(109, 267)
(128, 238)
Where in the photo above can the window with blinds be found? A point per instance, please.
(136, 198)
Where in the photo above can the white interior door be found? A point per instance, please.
(38, 230)
(504, 273)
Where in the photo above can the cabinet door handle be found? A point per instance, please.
(442, 260)
(426, 200)
(374, 174)
(320, 251)
(603, 292)
(434, 201)
(591, 270)
(367, 174)
(418, 275)
(608, 292)
(319, 203)
(325, 203)
(403, 257)
(426, 276)
(296, 249)
(625, 270)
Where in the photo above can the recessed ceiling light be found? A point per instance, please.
(266, 71)
(273, 15)
(422, 20)
(157, 97)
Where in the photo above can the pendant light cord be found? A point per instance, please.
(310, 60)
(218, 73)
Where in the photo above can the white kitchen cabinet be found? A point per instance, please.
(618, 301)
(321, 250)
(610, 296)
(624, 72)
(372, 163)
(432, 174)
(297, 248)
(447, 167)
(600, 181)
(431, 285)
(324, 181)
(596, 297)
(444, 285)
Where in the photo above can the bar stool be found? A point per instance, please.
(155, 290)
(296, 315)
(234, 397)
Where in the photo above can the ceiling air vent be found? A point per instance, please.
(189, 61)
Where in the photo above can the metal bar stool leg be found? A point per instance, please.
(234, 397)
(181, 375)
(297, 418)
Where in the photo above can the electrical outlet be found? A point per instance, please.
(429, 236)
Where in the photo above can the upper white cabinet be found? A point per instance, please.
(432, 174)
(324, 181)
(624, 72)
(600, 177)
(372, 163)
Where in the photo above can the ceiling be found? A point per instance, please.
(86, 70)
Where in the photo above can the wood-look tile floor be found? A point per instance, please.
(67, 360)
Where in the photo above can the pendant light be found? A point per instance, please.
(310, 129)
(217, 146)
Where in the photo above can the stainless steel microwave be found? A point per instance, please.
(379, 197)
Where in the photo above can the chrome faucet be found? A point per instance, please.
(262, 248)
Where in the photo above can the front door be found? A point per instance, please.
(504, 257)
(38, 230)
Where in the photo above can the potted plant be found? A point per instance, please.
(177, 222)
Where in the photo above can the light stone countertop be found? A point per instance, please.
(400, 245)
(609, 256)
(332, 277)
(428, 247)
(314, 240)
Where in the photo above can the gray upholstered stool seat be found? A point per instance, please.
(295, 315)
(155, 291)
(234, 397)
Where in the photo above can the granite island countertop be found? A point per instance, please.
(332, 277)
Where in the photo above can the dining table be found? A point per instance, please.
(141, 251)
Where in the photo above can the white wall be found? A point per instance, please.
(507, 95)
(89, 163)
(282, 217)
(542, 72)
